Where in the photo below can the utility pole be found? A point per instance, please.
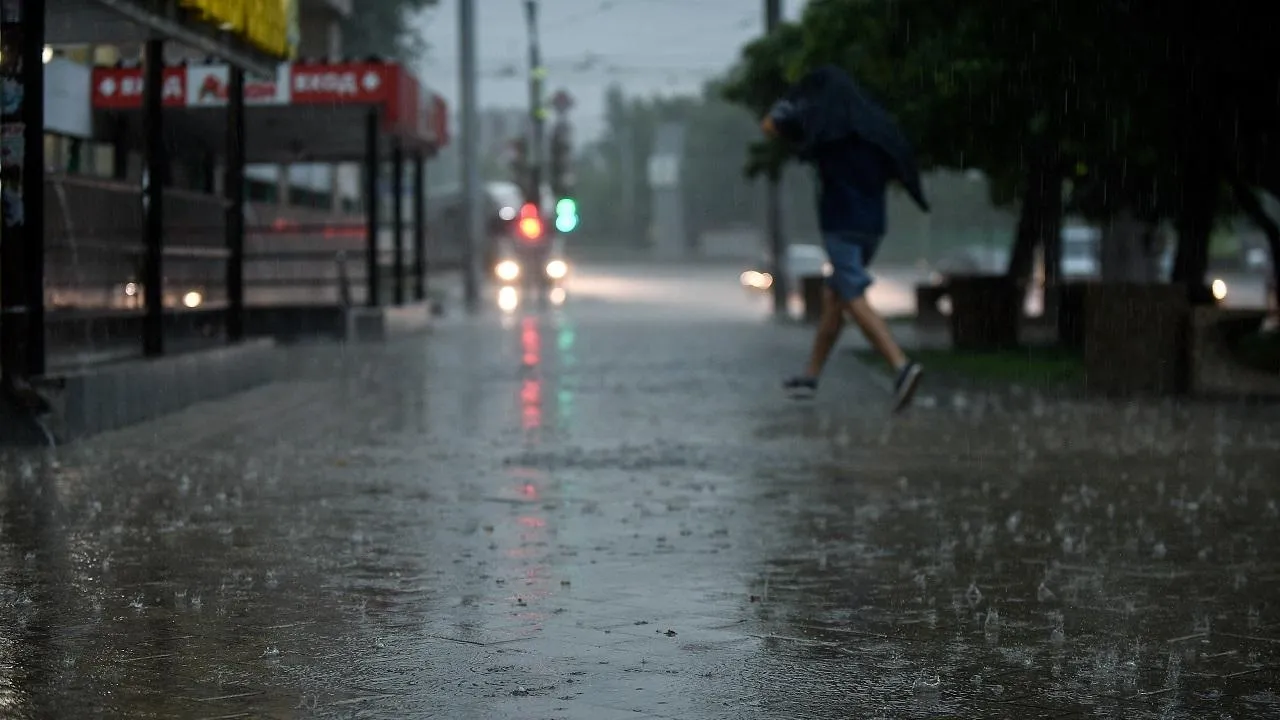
(773, 199)
(627, 166)
(537, 114)
(472, 221)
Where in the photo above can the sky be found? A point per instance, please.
(647, 46)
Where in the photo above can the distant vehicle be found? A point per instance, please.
(1256, 259)
(802, 261)
(527, 258)
(1081, 246)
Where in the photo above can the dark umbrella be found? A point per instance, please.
(827, 105)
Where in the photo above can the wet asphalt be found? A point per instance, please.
(609, 510)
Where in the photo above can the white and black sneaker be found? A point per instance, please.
(904, 388)
(801, 386)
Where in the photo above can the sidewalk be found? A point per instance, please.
(572, 516)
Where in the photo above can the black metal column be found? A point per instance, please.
(153, 151)
(22, 347)
(233, 192)
(773, 201)
(397, 217)
(372, 202)
(419, 227)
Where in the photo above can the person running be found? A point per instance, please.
(854, 175)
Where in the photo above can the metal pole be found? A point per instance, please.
(233, 192)
(627, 166)
(22, 336)
(153, 200)
(372, 203)
(397, 218)
(537, 113)
(773, 199)
(420, 227)
(472, 222)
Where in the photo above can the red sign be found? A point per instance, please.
(410, 109)
(345, 83)
(562, 101)
(119, 88)
(208, 86)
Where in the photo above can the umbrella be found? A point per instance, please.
(827, 105)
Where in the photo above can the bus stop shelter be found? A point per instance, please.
(366, 111)
(28, 27)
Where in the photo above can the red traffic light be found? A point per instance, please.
(530, 222)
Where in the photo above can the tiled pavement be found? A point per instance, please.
(609, 512)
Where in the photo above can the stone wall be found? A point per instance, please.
(1135, 338)
(986, 311)
(1215, 372)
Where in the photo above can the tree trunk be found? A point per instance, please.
(1123, 249)
(1202, 176)
(1039, 222)
(1154, 243)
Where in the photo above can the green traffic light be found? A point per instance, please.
(566, 223)
(566, 206)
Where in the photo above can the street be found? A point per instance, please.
(609, 510)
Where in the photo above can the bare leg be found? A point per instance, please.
(877, 332)
(829, 329)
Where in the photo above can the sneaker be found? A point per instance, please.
(801, 385)
(904, 388)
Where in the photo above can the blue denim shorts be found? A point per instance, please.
(850, 254)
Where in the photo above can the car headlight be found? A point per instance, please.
(192, 299)
(508, 299)
(756, 279)
(557, 269)
(507, 270)
(1219, 288)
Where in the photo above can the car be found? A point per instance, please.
(528, 260)
(1080, 248)
(803, 260)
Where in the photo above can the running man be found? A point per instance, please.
(854, 175)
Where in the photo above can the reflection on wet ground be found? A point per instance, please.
(568, 516)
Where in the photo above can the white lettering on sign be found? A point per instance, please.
(172, 88)
(335, 83)
(132, 86)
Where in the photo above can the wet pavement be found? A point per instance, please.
(608, 511)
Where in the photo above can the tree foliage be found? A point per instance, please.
(383, 29)
(716, 195)
(1141, 105)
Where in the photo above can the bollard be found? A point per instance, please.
(928, 296)
(985, 312)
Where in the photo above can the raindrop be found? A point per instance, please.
(1044, 594)
(1014, 521)
(973, 594)
(926, 684)
(991, 627)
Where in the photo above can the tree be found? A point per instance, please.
(382, 29)
(613, 190)
(1138, 105)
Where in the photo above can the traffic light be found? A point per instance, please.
(530, 222)
(566, 215)
(561, 151)
(520, 162)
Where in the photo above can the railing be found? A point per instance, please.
(94, 260)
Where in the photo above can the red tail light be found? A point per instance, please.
(530, 222)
